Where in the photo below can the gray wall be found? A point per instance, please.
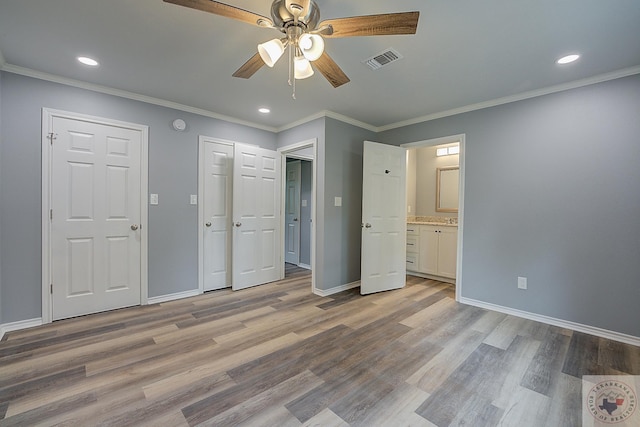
(339, 163)
(172, 174)
(305, 211)
(552, 193)
(343, 178)
(310, 130)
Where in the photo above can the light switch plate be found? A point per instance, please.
(304, 203)
(153, 199)
(337, 201)
(522, 283)
(194, 199)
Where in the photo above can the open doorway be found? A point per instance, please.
(299, 206)
(297, 233)
(435, 171)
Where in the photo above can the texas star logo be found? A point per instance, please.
(612, 401)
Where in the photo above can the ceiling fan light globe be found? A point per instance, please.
(271, 51)
(302, 69)
(312, 46)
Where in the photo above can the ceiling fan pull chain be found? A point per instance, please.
(290, 63)
(294, 82)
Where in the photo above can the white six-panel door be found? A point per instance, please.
(257, 252)
(217, 182)
(292, 212)
(95, 244)
(383, 265)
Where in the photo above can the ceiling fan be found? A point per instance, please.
(304, 35)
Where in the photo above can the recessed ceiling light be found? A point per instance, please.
(88, 61)
(264, 110)
(567, 59)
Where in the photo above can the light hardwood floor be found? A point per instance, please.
(277, 355)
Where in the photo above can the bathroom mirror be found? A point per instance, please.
(447, 180)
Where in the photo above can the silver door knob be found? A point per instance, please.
(208, 224)
(238, 224)
(295, 219)
(367, 225)
(134, 227)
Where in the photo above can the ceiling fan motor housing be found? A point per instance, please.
(283, 18)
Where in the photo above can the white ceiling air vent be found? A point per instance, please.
(382, 59)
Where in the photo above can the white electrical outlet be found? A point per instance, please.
(522, 283)
(153, 199)
(194, 199)
(337, 201)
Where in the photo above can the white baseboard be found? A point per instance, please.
(336, 289)
(579, 327)
(21, 324)
(305, 266)
(173, 297)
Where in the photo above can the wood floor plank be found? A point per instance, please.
(525, 407)
(278, 355)
(565, 407)
(548, 361)
(431, 376)
(58, 360)
(326, 418)
(274, 396)
(114, 381)
(311, 352)
(396, 408)
(430, 313)
(582, 356)
(217, 366)
(271, 416)
(619, 356)
(504, 334)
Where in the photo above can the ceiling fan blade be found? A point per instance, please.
(225, 10)
(250, 67)
(330, 70)
(386, 24)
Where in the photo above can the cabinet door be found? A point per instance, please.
(428, 256)
(447, 251)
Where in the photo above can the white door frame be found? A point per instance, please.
(450, 140)
(48, 115)
(289, 151)
(202, 141)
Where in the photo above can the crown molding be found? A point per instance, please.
(318, 115)
(625, 72)
(331, 115)
(129, 95)
(349, 120)
(324, 113)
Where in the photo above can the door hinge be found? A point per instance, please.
(51, 137)
(50, 213)
(51, 289)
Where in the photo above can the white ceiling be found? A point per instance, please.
(465, 52)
